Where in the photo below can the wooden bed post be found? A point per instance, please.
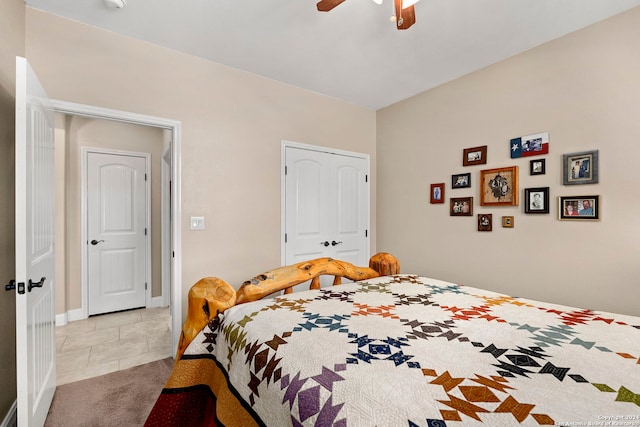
(207, 298)
(385, 264)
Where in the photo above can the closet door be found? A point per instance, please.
(326, 206)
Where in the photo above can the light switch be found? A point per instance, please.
(197, 223)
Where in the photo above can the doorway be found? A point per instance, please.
(172, 199)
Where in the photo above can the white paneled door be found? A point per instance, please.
(35, 249)
(326, 206)
(117, 231)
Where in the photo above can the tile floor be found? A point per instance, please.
(111, 342)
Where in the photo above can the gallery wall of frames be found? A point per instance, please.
(498, 187)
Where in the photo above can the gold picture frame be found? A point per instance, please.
(499, 186)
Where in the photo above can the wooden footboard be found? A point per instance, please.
(210, 295)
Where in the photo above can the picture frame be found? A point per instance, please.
(508, 221)
(485, 222)
(474, 156)
(499, 187)
(529, 145)
(437, 193)
(579, 208)
(537, 167)
(461, 206)
(580, 168)
(461, 180)
(536, 200)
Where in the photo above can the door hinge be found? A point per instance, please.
(145, 286)
(366, 233)
(286, 170)
(145, 176)
(366, 178)
(145, 231)
(285, 237)
(173, 254)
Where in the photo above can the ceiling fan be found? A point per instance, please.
(405, 15)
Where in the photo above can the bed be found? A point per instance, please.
(393, 349)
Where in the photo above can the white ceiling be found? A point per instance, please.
(353, 52)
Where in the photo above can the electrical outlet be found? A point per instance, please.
(197, 223)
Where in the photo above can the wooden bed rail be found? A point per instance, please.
(210, 295)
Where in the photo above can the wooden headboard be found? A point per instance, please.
(211, 295)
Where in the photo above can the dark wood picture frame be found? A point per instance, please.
(461, 206)
(474, 156)
(461, 180)
(437, 193)
(537, 167)
(485, 222)
(573, 208)
(499, 186)
(536, 200)
(580, 168)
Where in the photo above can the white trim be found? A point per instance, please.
(11, 419)
(70, 316)
(84, 276)
(176, 196)
(157, 302)
(283, 208)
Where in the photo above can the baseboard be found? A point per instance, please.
(11, 419)
(69, 316)
(157, 302)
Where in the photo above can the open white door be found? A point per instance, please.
(35, 237)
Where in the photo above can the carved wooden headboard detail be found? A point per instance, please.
(211, 295)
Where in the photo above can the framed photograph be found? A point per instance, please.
(485, 222)
(437, 193)
(580, 168)
(461, 206)
(499, 187)
(536, 200)
(461, 180)
(474, 156)
(508, 221)
(529, 145)
(579, 208)
(537, 167)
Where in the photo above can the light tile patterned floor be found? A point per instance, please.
(111, 342)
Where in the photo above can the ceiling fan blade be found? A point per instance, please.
(327, 5)
(404, 17)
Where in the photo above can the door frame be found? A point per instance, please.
(283, 202)
(84, 223)
(174, 127)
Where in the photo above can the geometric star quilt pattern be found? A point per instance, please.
(407, 350)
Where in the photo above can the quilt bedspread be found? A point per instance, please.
(413, 351)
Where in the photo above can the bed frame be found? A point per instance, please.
(210, 296)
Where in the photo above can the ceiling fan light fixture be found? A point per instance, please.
(115, 4)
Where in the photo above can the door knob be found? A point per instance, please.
(10, 286)
(325, 243)
(334, 243)
(95, 242)
(33, 284)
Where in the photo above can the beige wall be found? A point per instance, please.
(584, 90)
(72, 134)
(12, 30)
(232, 127)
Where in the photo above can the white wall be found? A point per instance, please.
(584, 90)
(232, 127)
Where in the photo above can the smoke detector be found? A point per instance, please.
(115, 4)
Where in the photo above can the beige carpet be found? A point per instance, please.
(122, 398)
